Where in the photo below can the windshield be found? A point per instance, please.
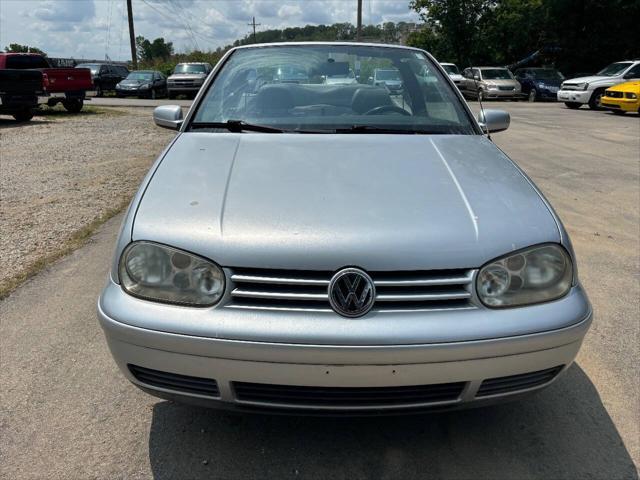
(547, 74)
(451, 69)
(614, 69)
(496, 74)
(93, 67)
(387, 75)
(184, 68)
(140, 76)
(250, 88)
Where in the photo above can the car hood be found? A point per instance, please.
(135, 82)
(381, 202)
(503, 82)
(633, 87)
(592, 78)
(555, 82)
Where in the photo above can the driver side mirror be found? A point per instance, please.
(168, 116)
(493, 121)
(476, 77)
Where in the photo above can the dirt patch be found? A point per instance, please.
(61, 174)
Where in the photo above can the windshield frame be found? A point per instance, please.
(429, 59)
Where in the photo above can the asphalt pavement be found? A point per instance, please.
(66, 412)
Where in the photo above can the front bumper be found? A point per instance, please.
(624, 104)
(132, 93)
(574, 96)
(507, 94)
(183, 88)
(318, 364)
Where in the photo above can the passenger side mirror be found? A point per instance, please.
(168, 116)
(493, 121)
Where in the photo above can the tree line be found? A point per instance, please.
(575, 36)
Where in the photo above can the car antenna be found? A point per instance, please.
(475, 83)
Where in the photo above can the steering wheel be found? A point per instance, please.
(387, 108)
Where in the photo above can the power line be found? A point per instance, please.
(107, 39)
(160, 12)
(185, 23)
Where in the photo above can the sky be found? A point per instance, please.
(95, 28)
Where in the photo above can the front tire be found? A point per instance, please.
(153, 95)
(533, 95)
(572, 105)
(23, 115)
(99, 91)
(595, 100)
(73, 106)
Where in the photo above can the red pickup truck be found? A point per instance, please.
(61, 85)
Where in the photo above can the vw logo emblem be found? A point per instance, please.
(351, 292)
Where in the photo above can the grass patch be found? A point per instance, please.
(75, 241)
(87, 110)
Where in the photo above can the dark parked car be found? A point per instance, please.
(539, 83)
(19, 90)
(105, 76)
(143, 83)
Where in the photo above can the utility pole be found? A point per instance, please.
(254, 25)
(132, 37)
(359, 31)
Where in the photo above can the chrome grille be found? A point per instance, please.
(308, 290)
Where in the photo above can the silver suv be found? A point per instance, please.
(187, 78)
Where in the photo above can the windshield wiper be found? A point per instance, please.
(374, 129)
(236, 126)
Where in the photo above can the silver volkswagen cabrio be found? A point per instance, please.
(337, 248)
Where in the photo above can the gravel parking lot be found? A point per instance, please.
(60, 172)
(66, 412)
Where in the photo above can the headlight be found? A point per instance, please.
(145, 85)
(164, 274)
(117, 85)
(537, 274)
(630, 95)
(582, 86)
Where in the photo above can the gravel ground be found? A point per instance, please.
(60, 172)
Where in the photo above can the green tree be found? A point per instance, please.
(156, 50)
(17, 48)
(456, 21)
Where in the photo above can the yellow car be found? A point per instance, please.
(622, 98)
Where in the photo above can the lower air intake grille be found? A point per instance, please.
(515, 383)
(347, 397)
(175, 382)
